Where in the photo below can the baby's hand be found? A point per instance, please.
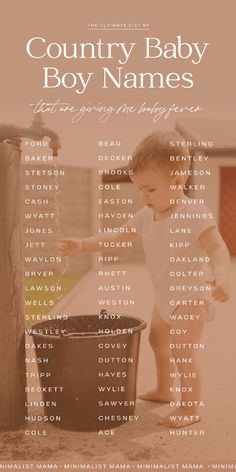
(220, 290)
(69, 247)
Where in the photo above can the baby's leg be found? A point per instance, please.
(160, 341)
(189, 372)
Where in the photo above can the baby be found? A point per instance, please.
(182, 246)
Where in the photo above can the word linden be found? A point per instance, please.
(37, 48)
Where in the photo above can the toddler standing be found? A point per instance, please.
(188, 262)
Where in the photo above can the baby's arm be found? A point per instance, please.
(71, 246)
(218, 253)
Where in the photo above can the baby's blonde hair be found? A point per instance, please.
(157, 148)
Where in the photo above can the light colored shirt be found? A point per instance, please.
(177, 262)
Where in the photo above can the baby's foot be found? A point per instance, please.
(156, 395)
(180, 418)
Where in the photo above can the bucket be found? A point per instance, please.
(88, 377)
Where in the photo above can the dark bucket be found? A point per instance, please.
(93, 361)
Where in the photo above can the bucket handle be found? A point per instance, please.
(79, 333)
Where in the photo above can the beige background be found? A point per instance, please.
(21, 76)
(214, 90)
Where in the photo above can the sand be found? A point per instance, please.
(145, 440)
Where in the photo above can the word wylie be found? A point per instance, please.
(120, 53)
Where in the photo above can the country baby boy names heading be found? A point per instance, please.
(38, 48)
